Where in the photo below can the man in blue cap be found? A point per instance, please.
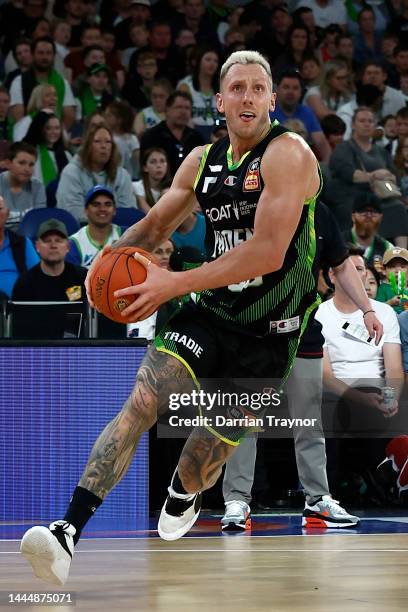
(100, 209)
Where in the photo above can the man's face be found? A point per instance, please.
(159, 97)
(367, 21)
(24, 56)
(359, 264)
(289, 93)
(140, 14)
(147, 68)
(52, 247)
(193, 9)
(396, 265)
(160, 37)
(98, 82)
(345, 48)
(91, 36)
(374, 75)
(43, 56)
(22, 167)
(401, 61)
(76, 8)
(96, 56)
(4, 213)
(281, 21)
(101, 210)
(179, 114)
(402, 127)
(367, 221)
(246, 98)
(184, 38)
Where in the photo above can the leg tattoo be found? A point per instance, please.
(159, 375)
(202, 459)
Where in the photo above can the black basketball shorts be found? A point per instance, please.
(211, 351)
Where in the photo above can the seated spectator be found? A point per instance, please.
(401, 127)
(372, 282)
(96, 95)
(367, 217)
(326, 13)
(138, 86)
(373, 73)
(356, 371)
(310, 71)
(96, 164)
(389, 138)
(22, 60)
(354, 165)
(202, 86)
(140, 14)
(74, 61)
(334, 91)
(288, 106)
(86, 243)
(6, 124)
(155, 178)
(43, 50)
(160, 44)
(119, 118)
(45, 133)
(368, 96)
(327, 50)
(43, 97)
(138, 35)
(17, 254)
(298, 47)
(20, 190)
(367, 42)
(51, 280)
(393, 290)
(61, 34)
(191, 233)
(345, 50)
(156, 113)
(94, 54)
(174, 134)
(334, 129)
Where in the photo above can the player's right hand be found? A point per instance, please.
(105, 250)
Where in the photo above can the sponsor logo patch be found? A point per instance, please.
(252, 181)
(230, 181)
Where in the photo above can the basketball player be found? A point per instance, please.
(258, 190)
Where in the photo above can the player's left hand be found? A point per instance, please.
(159, 287)
(374, 326)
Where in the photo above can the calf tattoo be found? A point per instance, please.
(202, 459)
(160, 374)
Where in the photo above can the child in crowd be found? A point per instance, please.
(155, 178)
(119, 117)
(394, 290)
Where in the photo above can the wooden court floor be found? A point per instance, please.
(322, 573)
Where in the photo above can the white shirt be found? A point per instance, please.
(127, 145)
(16, 93)
(139, 190)
(334, 12)
(353, 359)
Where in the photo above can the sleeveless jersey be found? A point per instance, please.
(228, 193)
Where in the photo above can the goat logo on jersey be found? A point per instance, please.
(252, 181)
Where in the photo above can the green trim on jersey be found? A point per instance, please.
(202, 164)
(171, 349)
(230, 161)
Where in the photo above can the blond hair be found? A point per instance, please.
(35, 102)
(245, 58)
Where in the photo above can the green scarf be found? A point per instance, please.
(89, 104)
(48, 169)
(55, 79)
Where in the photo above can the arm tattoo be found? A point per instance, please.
(160, 374)
(202, 459)
(136, 236)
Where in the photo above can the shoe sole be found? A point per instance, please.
(38, 547)
(176, 535)
(236, 526)
(318, 523)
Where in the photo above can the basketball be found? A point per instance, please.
(115, 270)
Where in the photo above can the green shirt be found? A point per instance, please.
(386, 293)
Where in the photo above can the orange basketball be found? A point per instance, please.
(115, 270)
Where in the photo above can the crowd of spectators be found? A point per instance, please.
(101, 101)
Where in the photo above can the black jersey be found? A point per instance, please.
(228, 194)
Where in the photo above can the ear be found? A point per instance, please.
(272, 103)
(219, 102)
